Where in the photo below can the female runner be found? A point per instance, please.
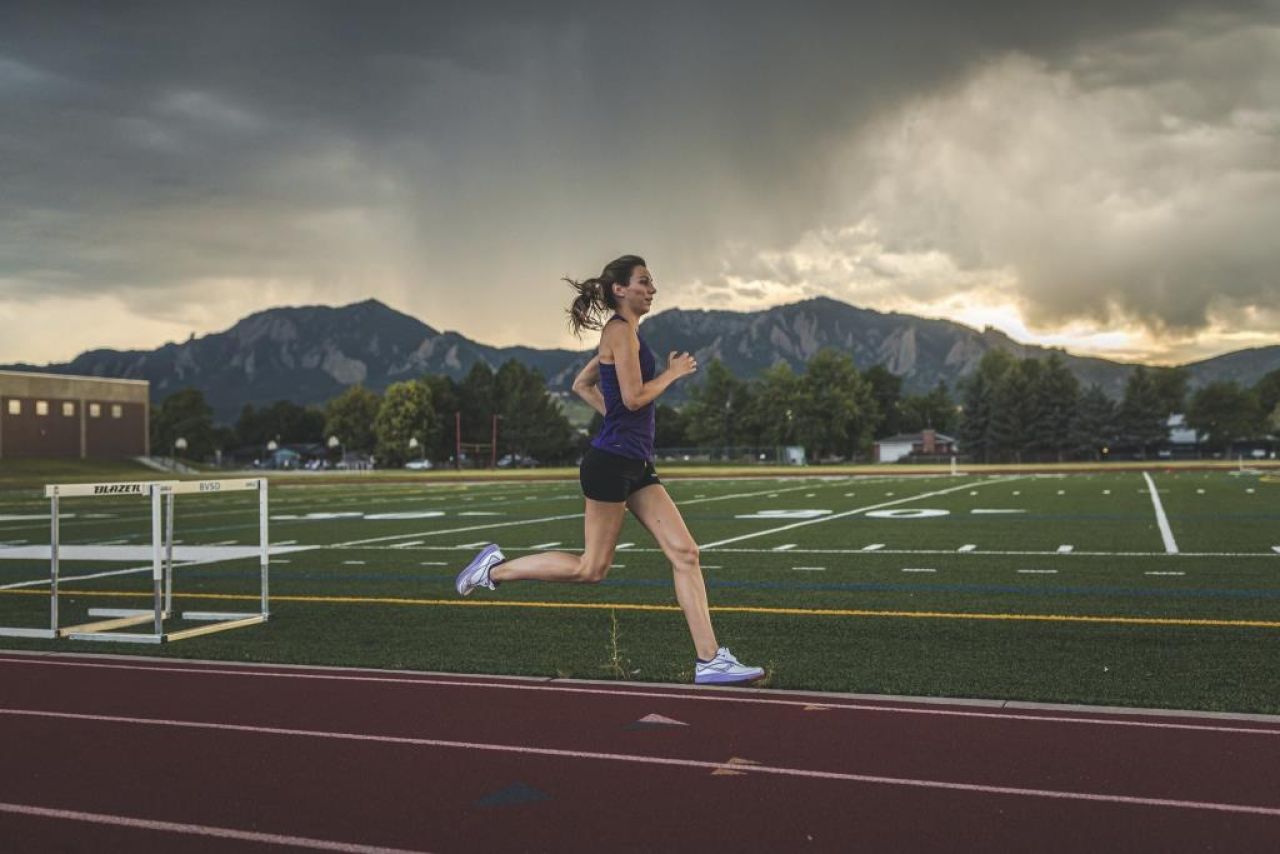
(617, 472)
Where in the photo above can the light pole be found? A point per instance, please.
(179, 444)
(414, 443)
(335, 442)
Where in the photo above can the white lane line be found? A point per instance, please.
(848, 513)
(433, 563)
(1166, 532)
(809, 568)
(620, 546)
(992, 511)
(967, 547)
(915, 569)
(516, 683)
(1168, 572)
(285, 543)
(474, 545)
(1039, 571)
(874, 547)
(1066, 549)
(225, 543)
(354, 562)
(549, 545)
(540, 520)
(783, 548)
(658, 760)
(409, 544)
(112, 820)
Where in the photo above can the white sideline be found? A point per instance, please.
(1166, 532)
(1096, 797)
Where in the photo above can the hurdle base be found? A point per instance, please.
(117, 637)
(134, 618)
(221, 625)
(27, 633)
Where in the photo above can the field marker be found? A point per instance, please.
(1199, 492)
(219, 543)
(1160, 572)
(784, 548)
(1276, 549)
(1017, 492)
(888, 494)
(809, 568)
(433, 563)
(809, 494)
(1250, 491)
(1066, 549)
(967, 547)
(973, 493)
(1039, 571)
(475, 545)
(1166, 532)
(408, 544)
(848, 513)
(994, 511)
(285, 543)
(550, 545)
(617, 566)
(479, 513)
(354, 562)
(1062, 492)
(1106, 492)
(913, 569)
(621, 546)
(874, 547)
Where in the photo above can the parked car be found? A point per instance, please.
(516, 461)
(418, 465)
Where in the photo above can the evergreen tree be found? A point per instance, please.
(284, 421)
(935, 410)
(714, 406)
(1093, 426)
(1171, 385)
(979, 393)
(1142, 420)
(670, 428)
(886, 390)
(446, 403)
(1057, 397)
(533, 423)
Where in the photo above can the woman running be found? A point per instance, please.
(617, 472)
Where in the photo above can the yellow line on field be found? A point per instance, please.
(722, 609)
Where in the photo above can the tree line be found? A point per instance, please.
(531, 421)
(1008, 409)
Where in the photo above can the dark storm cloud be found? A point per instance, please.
(455, 157)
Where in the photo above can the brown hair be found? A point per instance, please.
(595, 296)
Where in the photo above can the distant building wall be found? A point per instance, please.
(46, 415)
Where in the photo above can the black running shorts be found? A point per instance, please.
(609, 477)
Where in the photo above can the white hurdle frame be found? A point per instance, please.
(162, 495)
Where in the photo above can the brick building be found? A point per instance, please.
(49, 415)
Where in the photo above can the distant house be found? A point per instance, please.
(927, 443)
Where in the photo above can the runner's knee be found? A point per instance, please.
(684, 556)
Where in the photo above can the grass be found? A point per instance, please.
(1114, 619)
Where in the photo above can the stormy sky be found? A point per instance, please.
(1100, 176)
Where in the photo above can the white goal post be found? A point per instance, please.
(161, 495)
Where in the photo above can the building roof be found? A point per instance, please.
(916, 437)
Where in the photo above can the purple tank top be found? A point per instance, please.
(627, 433)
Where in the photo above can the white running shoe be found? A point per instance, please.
(724, 669)
(477, 572)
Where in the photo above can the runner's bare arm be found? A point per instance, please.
(619, 341)
(586, 385)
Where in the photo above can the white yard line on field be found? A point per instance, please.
(1163, 521)
(854, 512)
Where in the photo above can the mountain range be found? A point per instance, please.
(309, 354)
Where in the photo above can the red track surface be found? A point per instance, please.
(101, 753)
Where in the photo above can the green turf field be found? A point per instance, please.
(1058, 588)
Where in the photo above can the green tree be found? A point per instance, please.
(1057, 396)
(350, 416)
(671, 430)
(772, 416)
(477, 399)
(1093, 426)
(715, 404)
(979, 400)
(935, 410)
(1016, 417)
(283, 421)
(1267, 391)
(1142, 419)
(446, 403)
(836, 410)
(886, 389)
(1171, 385)
(183, 415)
(533, 423)
(1224, 412)
(405, 413)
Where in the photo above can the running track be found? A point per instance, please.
(106, 753)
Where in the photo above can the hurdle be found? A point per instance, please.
(161, 495)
